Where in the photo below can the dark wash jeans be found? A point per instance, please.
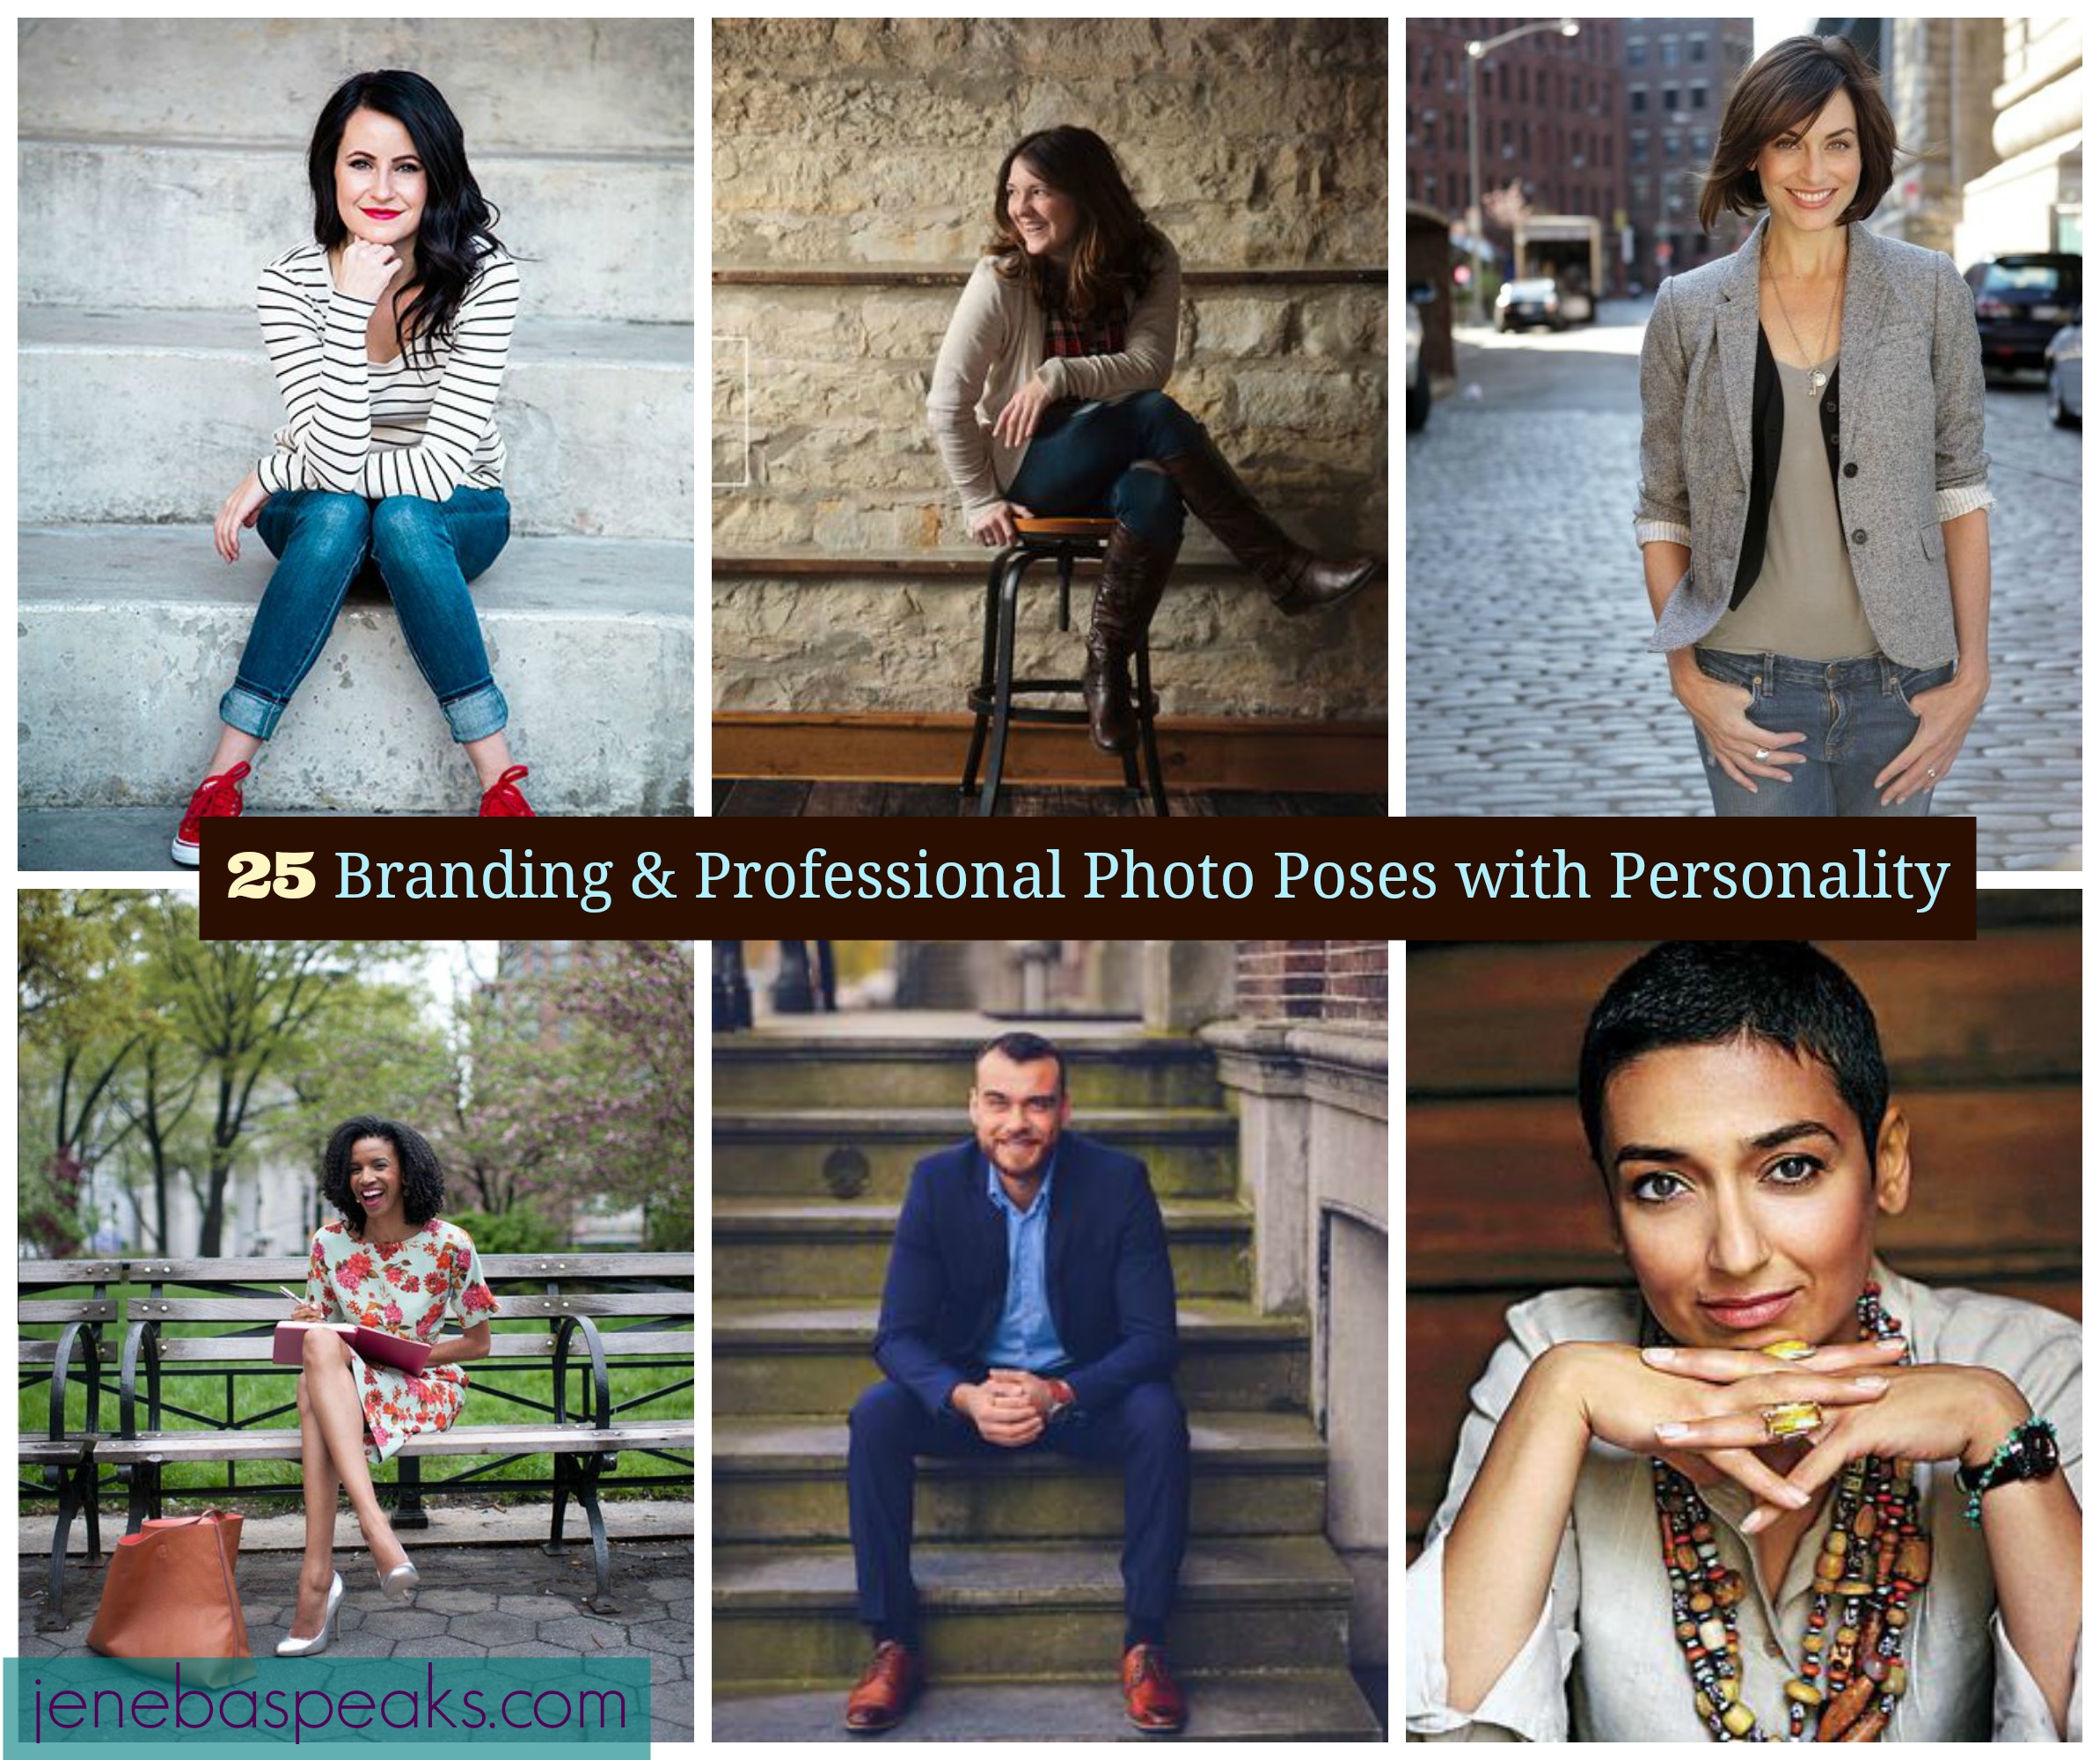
(424, 551)
(1857, 716)
(1090, 459)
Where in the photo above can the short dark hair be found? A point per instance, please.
(1702, 993)
(1023, 1048)
(422, 1175)
(1786, 88)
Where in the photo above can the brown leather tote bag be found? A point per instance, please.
(169, 1591)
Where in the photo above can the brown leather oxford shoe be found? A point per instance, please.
(886, 1691)
(1150, 1699)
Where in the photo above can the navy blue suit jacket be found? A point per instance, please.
(1110, 1283)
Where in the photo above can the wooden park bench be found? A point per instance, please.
(633, 1308)
(63, 1457)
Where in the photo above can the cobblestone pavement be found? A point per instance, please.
(475, 1600)
(1529, 689)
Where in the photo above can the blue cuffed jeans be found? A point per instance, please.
(424, 551)
(1857, 716)
(1093, 458)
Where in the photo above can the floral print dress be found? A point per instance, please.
(411, 1287)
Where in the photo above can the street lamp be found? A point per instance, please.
(1475, 50)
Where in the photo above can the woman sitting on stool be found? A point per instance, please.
(1048, 383)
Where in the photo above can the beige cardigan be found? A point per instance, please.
(994, 343)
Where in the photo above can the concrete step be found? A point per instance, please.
(799, 1357)
(596, 236)
(1243, 1707)
(129, 635)
(783, 1067)
(542, 85)
(834, 1251)
(786, 1613)
(1253, 1472)
(597, 418)
(814, 1152)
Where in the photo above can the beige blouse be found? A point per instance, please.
(1602, 1664)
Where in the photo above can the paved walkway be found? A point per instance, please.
(1528, 686)
(502, 1599)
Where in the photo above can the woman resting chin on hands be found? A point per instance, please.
(1724, 1503)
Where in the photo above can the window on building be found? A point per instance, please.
(1669, 98)
(1524, 85)
(1698, 96)
(1639, 155)
(1525, 138)
(1636, 52)
(1607, 152)
(1637, 101)
(1697, 49)
(1674, 144)
(1702, 142)
(1669, 51)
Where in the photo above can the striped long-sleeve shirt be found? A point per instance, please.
(397, 427)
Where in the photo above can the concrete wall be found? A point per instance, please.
(870, 145)
(1312, 1101)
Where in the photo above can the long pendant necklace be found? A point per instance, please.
(1817, 379)
(1874, 1560)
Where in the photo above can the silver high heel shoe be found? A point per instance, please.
(320, 1641)
(399, 1583)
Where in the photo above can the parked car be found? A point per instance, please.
(1521, 303)
(2023, 300)
(2065, 362)
(1419, 395)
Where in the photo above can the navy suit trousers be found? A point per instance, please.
(1146, 1431)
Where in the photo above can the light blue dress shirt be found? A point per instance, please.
(1025, 1337)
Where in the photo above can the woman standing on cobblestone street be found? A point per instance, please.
(1812, 511)
(1046, 399)
(388, 332)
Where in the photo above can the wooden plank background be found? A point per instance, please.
(1983, 1043)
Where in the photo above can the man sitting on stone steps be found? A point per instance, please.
(1030, 1304)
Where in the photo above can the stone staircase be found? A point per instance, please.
(1016, 1561)
(129, 625)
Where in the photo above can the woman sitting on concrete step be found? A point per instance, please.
(388, 333)
(1046, 401)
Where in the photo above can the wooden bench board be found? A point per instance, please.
(466, 1439)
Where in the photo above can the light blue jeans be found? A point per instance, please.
(425, 552)
(1857, 716)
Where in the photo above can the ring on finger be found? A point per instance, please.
(1795, 1418)
(1787, 1350)
(1762, 754)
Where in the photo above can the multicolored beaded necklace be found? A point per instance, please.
(1874, 1560)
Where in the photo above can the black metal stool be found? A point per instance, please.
(1067, 540)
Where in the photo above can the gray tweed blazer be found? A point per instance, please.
(1910, 434)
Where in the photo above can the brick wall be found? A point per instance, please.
(1311, 980)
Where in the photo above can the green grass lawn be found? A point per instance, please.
(258, 1389)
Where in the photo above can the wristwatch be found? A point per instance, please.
(1063, 1399)
(2029, 1453)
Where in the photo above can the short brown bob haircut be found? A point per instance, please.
(1783, 90)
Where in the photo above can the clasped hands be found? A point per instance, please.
(1700, 1411)
(1010, 1408)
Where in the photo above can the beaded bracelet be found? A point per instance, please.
(1985, 1478)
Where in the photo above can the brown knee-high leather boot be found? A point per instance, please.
(1133, 577)
(1297, 580)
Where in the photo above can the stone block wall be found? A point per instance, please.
(852, 175)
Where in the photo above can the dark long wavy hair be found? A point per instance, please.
(454, 233)
(422, 1175)
(1117, 250)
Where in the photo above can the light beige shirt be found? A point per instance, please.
(994, 344)
(1603, 1665)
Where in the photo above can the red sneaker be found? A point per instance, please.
(502, 801)
(218, 798)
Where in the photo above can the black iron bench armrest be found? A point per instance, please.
(601, 1381)
(146, 1332)
(90, 1335)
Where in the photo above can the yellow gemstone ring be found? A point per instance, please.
(1787, 1350)
(1796, 1419)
